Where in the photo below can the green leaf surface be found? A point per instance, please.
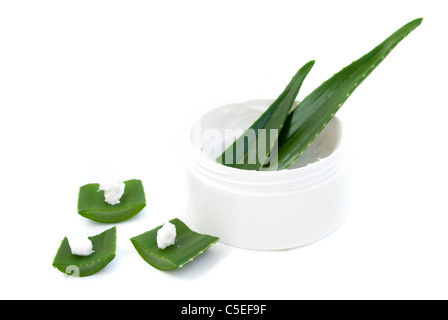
(91, 203)
(104, 247)
(309, 118)
(250, 151)
(188, 245)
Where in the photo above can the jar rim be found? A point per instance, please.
(234, 179)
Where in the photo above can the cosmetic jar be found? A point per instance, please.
(265, 210)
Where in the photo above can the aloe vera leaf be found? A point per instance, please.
(91, 203)
(238, 155)
(104, 247)
(309, 118)
(188, 245)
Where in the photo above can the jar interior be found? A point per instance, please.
(217, 130)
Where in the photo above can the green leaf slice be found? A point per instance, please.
(250, 151)
(188, 245)
(309, 118)
(104, 247)
(91, 203)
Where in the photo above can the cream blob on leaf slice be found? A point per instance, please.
(80, 246)
(166, 236)
(113, 191)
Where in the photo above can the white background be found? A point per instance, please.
(91, 90)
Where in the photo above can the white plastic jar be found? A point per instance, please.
(266, 210)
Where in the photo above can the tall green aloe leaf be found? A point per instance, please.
(250, 151)
(309, 118)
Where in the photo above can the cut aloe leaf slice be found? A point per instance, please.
(250, 151)
(104, 247)
(91, 203)
(309, 118)
(188, 245)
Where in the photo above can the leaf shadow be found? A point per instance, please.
(201, 265)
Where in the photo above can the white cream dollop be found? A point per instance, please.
(166, 236)
(113, 191)
(80, 246)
